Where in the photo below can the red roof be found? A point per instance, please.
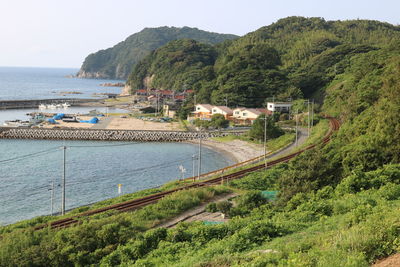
(166, 92)
(180, 97)
(189, 91)
(141, 91)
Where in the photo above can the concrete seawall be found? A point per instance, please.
(107, 135)
(16, 104)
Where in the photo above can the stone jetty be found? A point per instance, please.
(108, 135)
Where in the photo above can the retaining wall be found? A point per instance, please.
(107, 135)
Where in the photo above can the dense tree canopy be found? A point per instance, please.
(292, 58)
(119, 60)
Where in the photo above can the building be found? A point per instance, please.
(283, 107)
(227, 112)
(248, 115)
(169, 111)
(203, 111)
(141, 92)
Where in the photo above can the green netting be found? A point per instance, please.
(270, 195)
(211, 223)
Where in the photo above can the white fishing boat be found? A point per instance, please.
(66, 105)
(59, 106)
(42, 106)
(16, 123)
(51, 106)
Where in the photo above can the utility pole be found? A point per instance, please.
(193, 163)
(265, 139)
(297, 118)
(199, 166)
(63, 183)
(52, 198)
(308, 107)
(312, 118)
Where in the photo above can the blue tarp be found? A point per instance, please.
(52, 121)
(59, 116)
(92, 120)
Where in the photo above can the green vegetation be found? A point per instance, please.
(337, 204)
(217, 121)
(119, 60)
(264, 126)
(95, 238)
(292, 58)
(280, 142)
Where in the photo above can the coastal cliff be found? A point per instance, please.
(118, 61)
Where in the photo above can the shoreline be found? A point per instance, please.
(236, 150)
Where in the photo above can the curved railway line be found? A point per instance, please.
(144, 201)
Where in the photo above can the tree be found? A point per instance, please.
(218, 121)
(257, 129)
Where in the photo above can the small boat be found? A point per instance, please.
(51, 106)
(42, 106)
(17, 123)
(59, 106)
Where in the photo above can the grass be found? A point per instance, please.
(281, 141)
(319, 131)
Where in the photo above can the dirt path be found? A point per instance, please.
(198, 213)
(391, 261)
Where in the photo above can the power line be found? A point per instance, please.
(127, 173)
(124, 144)
(29, 155)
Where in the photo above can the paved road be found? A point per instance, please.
(302, 137)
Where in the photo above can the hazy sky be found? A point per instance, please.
(61, 33)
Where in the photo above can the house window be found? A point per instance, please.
(214, 110)
(244, 114)
(270, 106)
(198, 108)
(237, 112)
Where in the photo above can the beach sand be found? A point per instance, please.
(236, 150)
(137, 124)
(116, 123)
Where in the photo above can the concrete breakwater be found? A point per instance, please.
(17, 104)
(108, 135)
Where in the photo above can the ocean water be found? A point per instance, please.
(44, 83)
(93, 169)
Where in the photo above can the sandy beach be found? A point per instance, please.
(237, 150)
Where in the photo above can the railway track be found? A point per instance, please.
(141, 202)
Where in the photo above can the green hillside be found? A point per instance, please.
(117, 62)
(293, 57)
(338, 204)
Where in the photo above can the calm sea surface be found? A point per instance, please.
(44, 83)
(93, 169)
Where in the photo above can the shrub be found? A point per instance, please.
(211, 207)
(224, 206)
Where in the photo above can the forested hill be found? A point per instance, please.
(117, 61)
(293, 57)
(337, 204)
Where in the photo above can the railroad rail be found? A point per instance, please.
(131, 205)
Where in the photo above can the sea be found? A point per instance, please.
(31, 171)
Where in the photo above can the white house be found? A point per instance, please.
(222, 110)
(248, 115)
(279, 106)
(203, 111)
